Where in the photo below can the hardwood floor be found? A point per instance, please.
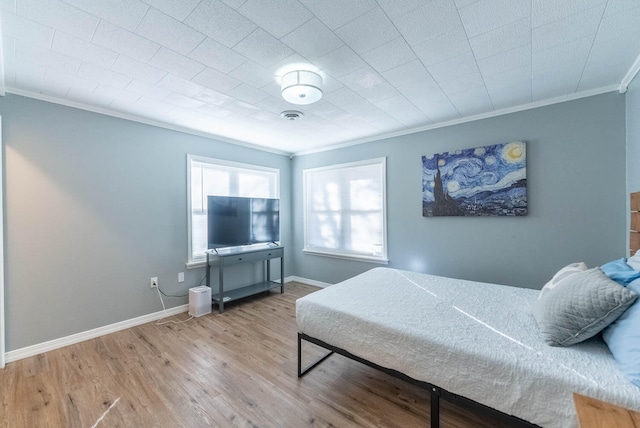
(238, 368)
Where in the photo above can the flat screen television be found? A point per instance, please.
(234, 221)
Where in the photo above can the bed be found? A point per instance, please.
(470, 342)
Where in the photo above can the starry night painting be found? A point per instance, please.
(485, 181)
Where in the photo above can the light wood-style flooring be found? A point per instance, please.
(233, 369)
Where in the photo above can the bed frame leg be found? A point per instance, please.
(435, 407)
(299, 355)
(301, 371)
(435, 392)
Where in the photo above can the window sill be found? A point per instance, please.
(195, 264)
(368, 259)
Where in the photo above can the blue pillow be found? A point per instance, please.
(623, 338)
(620, 272)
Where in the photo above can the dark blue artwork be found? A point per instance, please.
(485, 181)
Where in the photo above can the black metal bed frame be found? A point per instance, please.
(435, 391)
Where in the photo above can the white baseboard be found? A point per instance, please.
(32, 350)
(307, 281)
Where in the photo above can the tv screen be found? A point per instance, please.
(233, 221)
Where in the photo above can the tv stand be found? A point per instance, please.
(234, 256)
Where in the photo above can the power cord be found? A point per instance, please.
(162, 293)
(172, 295)
(180, 295)
(160, 322)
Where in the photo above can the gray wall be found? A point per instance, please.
(576, 194)
(95, 206)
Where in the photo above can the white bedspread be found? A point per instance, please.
(473, 339)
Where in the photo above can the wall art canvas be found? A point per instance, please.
(485, 181)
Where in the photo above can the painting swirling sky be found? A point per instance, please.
(468, 172)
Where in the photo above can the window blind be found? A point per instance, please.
(345, 210)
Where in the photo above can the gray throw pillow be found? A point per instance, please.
(580, 306)
(562, 274)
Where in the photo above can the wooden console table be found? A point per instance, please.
(234, 256)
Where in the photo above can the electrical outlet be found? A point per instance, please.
(180, 276)
(154, 282)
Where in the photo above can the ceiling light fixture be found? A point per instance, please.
(301, 87)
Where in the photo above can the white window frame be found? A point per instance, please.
(195, 262)
(382, 258)
(2, 260)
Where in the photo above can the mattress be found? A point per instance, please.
(473, 339)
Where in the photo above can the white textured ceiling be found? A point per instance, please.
(389, 66)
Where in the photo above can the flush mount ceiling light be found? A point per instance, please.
(301, 87)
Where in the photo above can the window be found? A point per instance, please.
(345, 210)
(208, 176)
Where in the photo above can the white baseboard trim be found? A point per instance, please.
(32, 350)
(39, 348)
(307, 281)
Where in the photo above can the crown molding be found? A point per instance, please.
(501, 112)
(633, 71)
(134, 118)
(550, 101)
